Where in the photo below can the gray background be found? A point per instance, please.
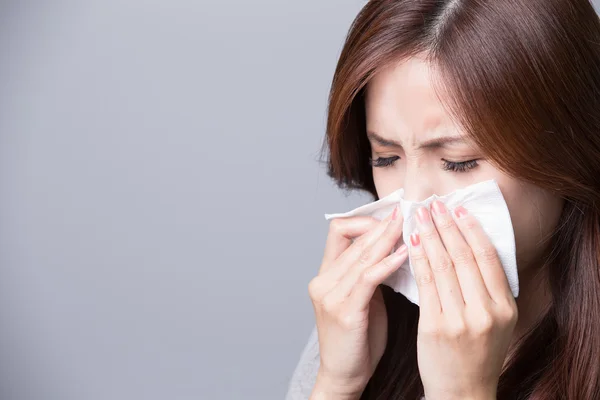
(161, 208)
(161, 203)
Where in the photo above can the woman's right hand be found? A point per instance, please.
(349, 308)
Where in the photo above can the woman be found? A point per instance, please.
(432, 96)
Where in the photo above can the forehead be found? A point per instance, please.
(401, 99)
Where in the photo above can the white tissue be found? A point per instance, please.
(483, 200)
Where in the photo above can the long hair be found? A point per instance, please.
(523, 79)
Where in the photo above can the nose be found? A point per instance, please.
(417, 184)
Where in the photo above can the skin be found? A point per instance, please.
(469, 320)
(401, 106)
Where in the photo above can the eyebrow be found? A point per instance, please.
(432, 143)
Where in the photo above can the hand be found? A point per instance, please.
(467, 311)
(349, 308)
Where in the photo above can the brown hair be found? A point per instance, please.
(523, 77)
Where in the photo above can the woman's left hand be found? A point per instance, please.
(467, 310)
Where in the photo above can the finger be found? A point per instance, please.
(362, 292)
(429, 301)
(446, 280)
(485, 254)
(343, 263)
(341, 233)
(332, 273)
(469, 276)
(371, 255)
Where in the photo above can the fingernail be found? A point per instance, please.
(415, 240)
(423, 216)
(460, 212)
(401, 250)
(395, 213)
(438, 207)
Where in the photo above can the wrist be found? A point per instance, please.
(323, 393)
(485, 394)
(325, 389)
(480, 395)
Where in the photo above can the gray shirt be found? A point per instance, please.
(305, 374)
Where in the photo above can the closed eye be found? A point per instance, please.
(463, 166)
(383, 161)
(453, 166)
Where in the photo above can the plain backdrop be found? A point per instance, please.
(161, 207)
(161, 199)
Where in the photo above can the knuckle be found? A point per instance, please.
(391, 230)
(387, 264)
(508, 314)
(445, 224)
(456, 329)
(336, 226)
(350, 320)
(389, 236)
(314, 288)
(429, 234)
(329, 305)
(429, 330)
(470, 223)
(514, 316)
(424, 279)
(419, 256)
(484, 323)
(486, 254)
(366, 277)
(360, 244)
(364, 256)
(462, 257)
(442, 264)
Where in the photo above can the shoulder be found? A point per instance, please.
(305, 374)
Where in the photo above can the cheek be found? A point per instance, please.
(527, 236)
(387, 180)
(534, 215)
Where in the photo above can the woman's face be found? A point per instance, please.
(420, 149)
